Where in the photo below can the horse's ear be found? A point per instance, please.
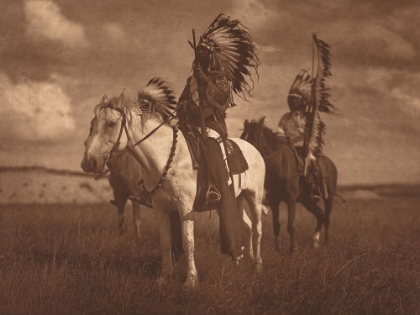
(246, 123)
(261, 121)
(105, 98)
(120, 98)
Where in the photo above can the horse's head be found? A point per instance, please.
(113, 126)
(107, 133)
(258, 134)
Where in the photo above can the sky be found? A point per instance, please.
(59, 57)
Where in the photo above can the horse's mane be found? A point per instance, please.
(272, 136)
(266, 139)
(125, 106)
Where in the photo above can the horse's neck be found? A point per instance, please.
(152, 153)
(273, 143)
(116, 165)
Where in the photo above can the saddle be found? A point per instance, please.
(235, 159)
(322, 170)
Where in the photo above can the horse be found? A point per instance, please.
(124, 175)
(283, 182)
(169, 176)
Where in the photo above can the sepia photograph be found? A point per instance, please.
(209, 157)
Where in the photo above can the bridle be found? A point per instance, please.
(112, 153)
(124, 127)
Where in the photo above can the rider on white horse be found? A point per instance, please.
(203, 103)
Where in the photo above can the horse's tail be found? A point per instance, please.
(264, 210)
(342, 200)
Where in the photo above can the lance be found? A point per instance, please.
(311, 111)
(200, 102)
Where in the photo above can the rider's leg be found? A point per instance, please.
(231, 241)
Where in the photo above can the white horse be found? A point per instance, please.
(124, 175)
(168, 172)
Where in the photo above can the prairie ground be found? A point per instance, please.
(69, 259)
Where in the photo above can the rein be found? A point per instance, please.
(151, 132)
(111, 154)
(168, 164)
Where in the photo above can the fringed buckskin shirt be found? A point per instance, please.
(215, 98)
(292, 126)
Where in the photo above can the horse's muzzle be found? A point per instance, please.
(85, 166)
(92, 165)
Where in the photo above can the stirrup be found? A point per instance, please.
(143, 198)
(316, 194)
(212, 195)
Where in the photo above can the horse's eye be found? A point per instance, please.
(112, 124)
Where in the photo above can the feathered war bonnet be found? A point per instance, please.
(300, 91)
(233, 51)
(157, 96)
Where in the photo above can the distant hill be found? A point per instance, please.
(383, 190)
(42, 169)
(41, 185)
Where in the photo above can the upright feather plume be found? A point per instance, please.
(315, 128)
(322, 96)
(233, 51)
(157, 96)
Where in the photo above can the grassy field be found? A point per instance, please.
(68, 259)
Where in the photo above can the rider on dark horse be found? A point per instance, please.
(203, 103)
(291, 128)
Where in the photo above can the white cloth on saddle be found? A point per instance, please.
(211, 133)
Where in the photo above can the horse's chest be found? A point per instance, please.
(176, 186)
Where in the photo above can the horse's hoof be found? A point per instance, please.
(264, 210)
(315, 239)
(191, 282)
(277, 246)
(161, 281)
(258, 266)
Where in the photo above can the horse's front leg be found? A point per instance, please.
(136, 218)
(165, 244)
(120, 205)
(312, 206)
(187, 223)
(328, 209)
(291, 209)
(274, 205)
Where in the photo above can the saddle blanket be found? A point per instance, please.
(235, 158)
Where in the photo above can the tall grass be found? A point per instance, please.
(68, 259)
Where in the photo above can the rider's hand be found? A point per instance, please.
(199, 73)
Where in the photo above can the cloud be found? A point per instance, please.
(45, 21)
(256, 14)
(34, 111)
(369, 40)
(267, 49)
(115, 32)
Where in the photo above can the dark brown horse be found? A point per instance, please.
(284, 183)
